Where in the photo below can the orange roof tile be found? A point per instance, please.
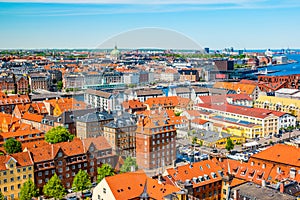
(281, 153)
(131, 185)
(32, 117)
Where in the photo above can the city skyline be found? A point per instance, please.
(259, 24)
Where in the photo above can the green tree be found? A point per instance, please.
(12, 146)
(58, 134)
(126, 167)
(28, 190)
(81, 181)
(54, 188)
(229, 144)
(194, 140)
(104, 171)
(1, 196)
(59, 85)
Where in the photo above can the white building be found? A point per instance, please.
(131, 78)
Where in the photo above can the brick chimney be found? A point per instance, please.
(236, 195)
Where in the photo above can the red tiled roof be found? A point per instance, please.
(32, 117)
(199, 121)
(186, 172)
(253, 112)
(22, 158)
(281, 153)
(131, 185)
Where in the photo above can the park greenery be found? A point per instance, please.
(58, 134)
(12, 146)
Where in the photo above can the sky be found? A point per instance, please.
(217, 24)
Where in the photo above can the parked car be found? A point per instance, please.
(86, 194)
(74, 197)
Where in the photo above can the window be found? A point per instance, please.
(91, 163)
(60, 170)
(30, 175)
(104, 190)
(73, 166)
(46, 180)
(85, 164)
(11, 172)
(24, 169)
(12, 179)
(18, 170)
(67, 175)
(60, 177)
(5, 189)
(19, 178)
(60, 163)
(19, 186)
(40, 174)
(60, 154)
(46, 172)
(29, 168)
(40, 181)
(5, 180)
(4, 173)
(79, 166)
(11, 165)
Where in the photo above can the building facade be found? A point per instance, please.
(15, 170)
(155, 141)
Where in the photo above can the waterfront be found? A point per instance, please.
(286, 69)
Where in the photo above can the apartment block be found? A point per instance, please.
(155, 140)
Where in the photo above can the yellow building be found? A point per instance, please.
(287, 105)
(15, 169)
(215, 139)
(249, 122)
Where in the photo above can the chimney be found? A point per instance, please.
(292, 173)
(132, 168)
(281, 187)
(236, 195)
(263, 183)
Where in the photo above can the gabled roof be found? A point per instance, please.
(132, 104)
(22, 159)
(132, 184)
(32, 117)
(206, 169)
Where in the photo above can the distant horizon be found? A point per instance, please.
(83, 48)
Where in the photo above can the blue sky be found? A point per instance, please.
(217, 24)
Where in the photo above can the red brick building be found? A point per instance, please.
(22, 84)
(288, 81)
(155, 140)
(67, 158)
